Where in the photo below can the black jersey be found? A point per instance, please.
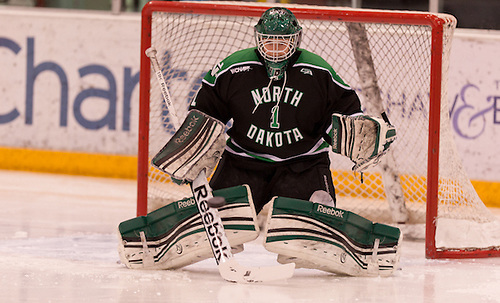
(275, 120)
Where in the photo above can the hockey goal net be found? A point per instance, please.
(397, 61)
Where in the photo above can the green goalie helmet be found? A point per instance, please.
(278, 36)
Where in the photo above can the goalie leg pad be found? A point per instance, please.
(197, 145)
(173, 236)
(317, 236)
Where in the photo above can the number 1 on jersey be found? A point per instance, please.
(274, 117)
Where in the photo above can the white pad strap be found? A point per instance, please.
(147, 257)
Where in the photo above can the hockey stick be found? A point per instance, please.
(229, 268)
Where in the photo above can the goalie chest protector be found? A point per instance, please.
(275, 119)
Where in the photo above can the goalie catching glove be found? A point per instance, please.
(363, 139)
(197, 145)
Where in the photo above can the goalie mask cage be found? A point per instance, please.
(395, 60)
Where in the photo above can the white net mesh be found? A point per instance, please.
(189, 45)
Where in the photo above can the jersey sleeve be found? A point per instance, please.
(209, 101)
(213, 98)
(341, 99)
(338, 96)
(348, 103)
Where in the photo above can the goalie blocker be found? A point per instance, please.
(363, 139)
(197, 145)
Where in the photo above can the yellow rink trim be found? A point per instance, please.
(489, 192)
(351, 186)
(73, 163)
(123, 166)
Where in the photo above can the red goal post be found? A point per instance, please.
(409, 52)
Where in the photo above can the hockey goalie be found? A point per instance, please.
(288, 108)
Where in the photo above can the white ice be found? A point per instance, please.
(58, 243)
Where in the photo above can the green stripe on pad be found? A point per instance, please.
(157, 222)
(357, 228)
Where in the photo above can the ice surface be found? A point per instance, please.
(58, 243)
